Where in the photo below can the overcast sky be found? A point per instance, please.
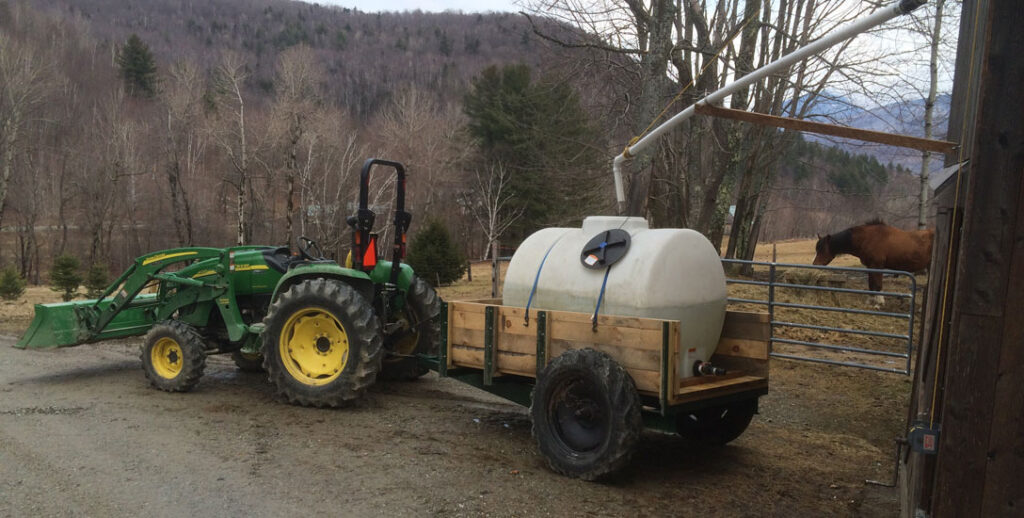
(466, 6)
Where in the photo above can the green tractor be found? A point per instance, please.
(323, 332)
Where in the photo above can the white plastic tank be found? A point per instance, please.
(667, 273)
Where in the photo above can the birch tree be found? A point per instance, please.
(231, 135)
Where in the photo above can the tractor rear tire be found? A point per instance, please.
(718, 425)
(422, 311)
(586, 414)
(247, 362)
(173, 356)
(321, 344)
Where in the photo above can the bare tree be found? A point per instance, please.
(230, 133)
(184, 148)
(297, 97)
(26, 82)
(422, 134)
(490, 203)
(332, 155)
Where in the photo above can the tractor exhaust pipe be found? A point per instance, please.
(842, 34)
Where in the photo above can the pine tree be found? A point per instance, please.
(138, 67)
(64, 276)
(96, 280)
(434, 257)
(11, 284)
(539, 131)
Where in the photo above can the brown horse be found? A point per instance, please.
(878, 245)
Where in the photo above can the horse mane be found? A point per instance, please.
(876, 221)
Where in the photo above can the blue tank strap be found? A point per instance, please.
(536, 278)
(600, 297)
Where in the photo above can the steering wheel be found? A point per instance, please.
(306, 246)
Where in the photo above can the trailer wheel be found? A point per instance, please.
(321, 344)
(586, 414)
(173, 356)
(247, 362)
(716, 425)
(421, 333)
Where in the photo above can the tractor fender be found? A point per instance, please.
(355, 278)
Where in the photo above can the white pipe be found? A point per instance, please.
(843, 33)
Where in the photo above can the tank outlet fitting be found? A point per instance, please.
(706, 369)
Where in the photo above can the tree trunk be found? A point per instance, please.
(929, 105)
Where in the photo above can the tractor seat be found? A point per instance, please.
(279, 259)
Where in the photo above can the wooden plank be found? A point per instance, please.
(463, 319)
(967, 417)
(747, 366)
(743, 348)
(512, 319)
(627, 357)
(747, 325)
(701, 380)
(920, 144)
(467, 337)
(468, 307)
(574, 331)
(653, 324)
(517, 343)
(505, 363)
(720, 387)
(647, 382)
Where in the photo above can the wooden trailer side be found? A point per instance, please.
(498, 340)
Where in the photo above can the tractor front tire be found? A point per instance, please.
(173, 356)
(422, 313)
(586, 414)
(718, 425)
(321, 344)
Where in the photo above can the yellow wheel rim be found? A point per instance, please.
(166, 358)
(313, 346)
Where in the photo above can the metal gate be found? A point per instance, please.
(810, 309)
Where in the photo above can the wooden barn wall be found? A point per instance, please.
(981, 363)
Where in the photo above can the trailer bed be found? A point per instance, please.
(497, 344)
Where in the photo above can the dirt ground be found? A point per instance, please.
(82, 434)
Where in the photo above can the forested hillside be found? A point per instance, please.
(130, 126)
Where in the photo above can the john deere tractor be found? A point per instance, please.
(323, 332)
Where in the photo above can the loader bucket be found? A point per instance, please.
(55, 325)
(63, 324)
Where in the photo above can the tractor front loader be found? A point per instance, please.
(323, 332)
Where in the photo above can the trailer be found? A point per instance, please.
(592, 390)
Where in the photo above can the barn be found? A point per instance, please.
(966, 439)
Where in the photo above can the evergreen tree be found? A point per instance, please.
(433, 255)
(11, 284)
(540, 132)
(64, 276)
(138, 67)
(96, 280)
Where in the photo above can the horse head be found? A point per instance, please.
(823, 251)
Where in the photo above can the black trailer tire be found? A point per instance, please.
(422, 312)
(247, 362)
(321, 344)
(717, 425)
(173, 356)
(586, 414)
